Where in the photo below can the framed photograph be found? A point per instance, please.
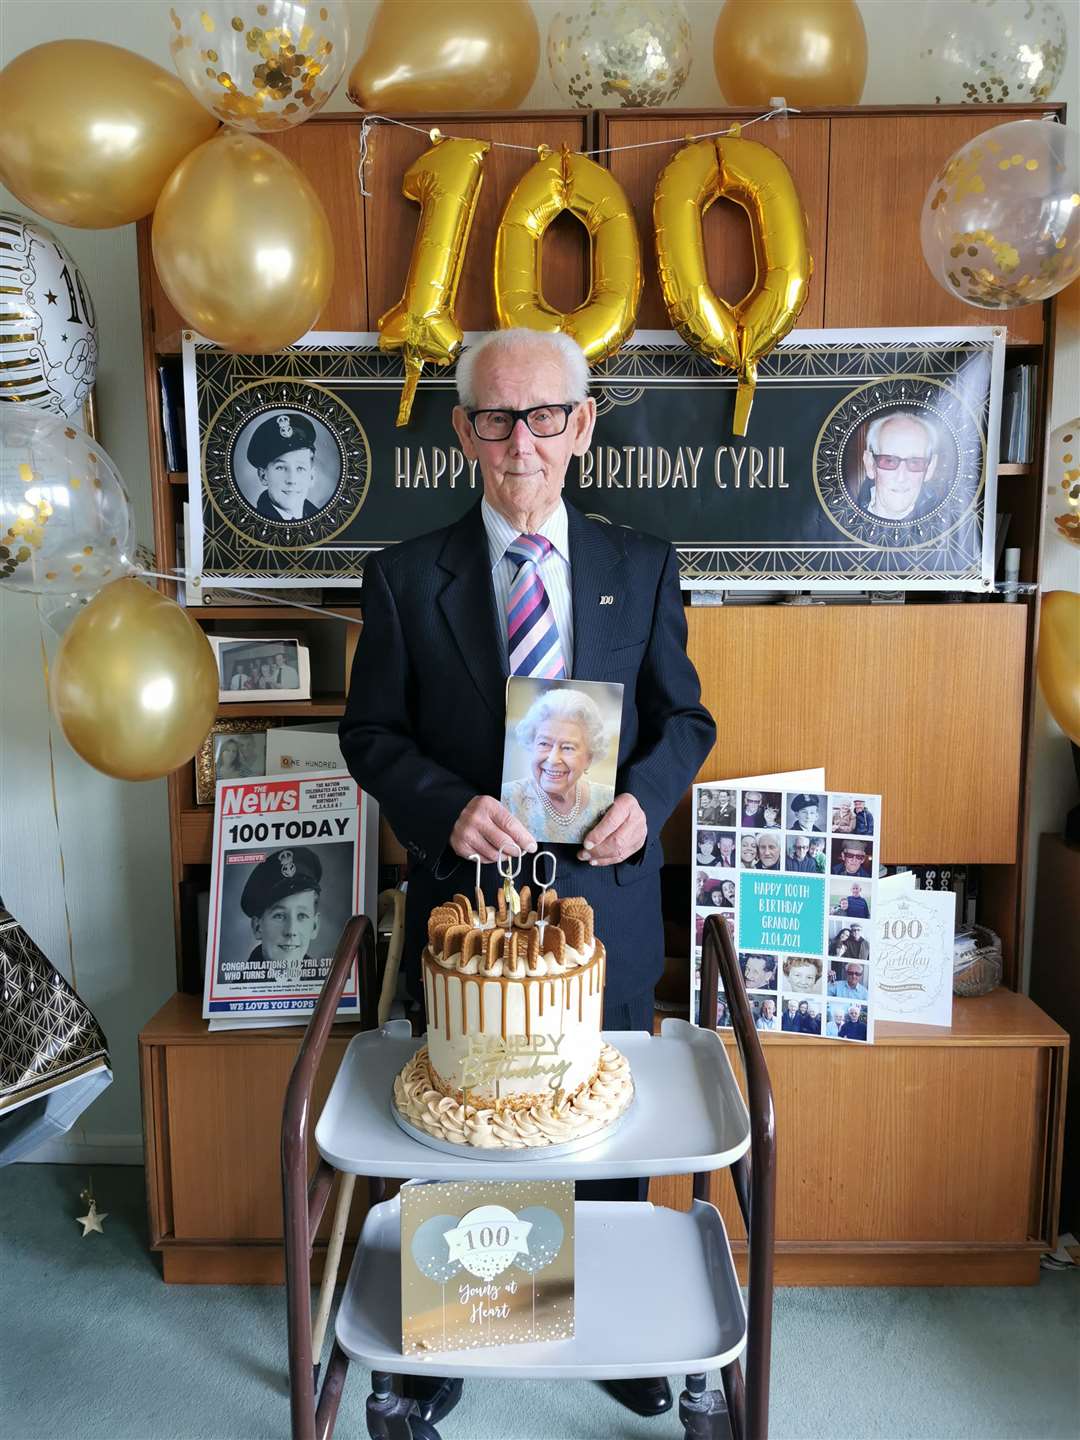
(261, 669)
(234, 750)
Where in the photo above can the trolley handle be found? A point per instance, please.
(755, 1182)
(303, 1202)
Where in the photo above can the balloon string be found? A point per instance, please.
(177, 576)
(735, 128)
(55, 803)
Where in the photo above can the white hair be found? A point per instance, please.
(873, 434)
(572, 705)
(514, 341)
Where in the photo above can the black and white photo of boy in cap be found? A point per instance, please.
(282, 452)
(281, 898)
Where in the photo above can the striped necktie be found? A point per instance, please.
(531, 633)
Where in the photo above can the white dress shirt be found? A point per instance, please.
(554, 570)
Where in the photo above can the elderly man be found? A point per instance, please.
(799, 857)
(851, 987)
(424, 726)
(899, 460)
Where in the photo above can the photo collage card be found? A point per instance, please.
(792, 870)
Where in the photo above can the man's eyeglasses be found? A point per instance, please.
(544, 421)
(917, 464)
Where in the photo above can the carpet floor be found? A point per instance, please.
(93, 1346)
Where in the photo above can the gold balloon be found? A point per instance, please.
(755, 177)
(242, 245)
(812, 52)
(89, 132)
(1059, 659)
(445, 182)
(134, 685)
(432, 55)
(575, 183)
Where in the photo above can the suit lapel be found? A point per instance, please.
(596, 587)
(468, 604)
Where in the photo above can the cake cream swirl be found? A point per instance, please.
(597, 1104)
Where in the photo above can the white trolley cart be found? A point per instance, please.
(688, 1115)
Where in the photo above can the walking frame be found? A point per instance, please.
(739, 1410)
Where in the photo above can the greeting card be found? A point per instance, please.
(486, 1263)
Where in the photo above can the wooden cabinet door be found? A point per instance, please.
(804, 147)
(224, 1104)
(880, 168)
(904, 1145)
(922, 704)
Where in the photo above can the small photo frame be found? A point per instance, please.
(853, 815)
(758, 971)
(849, 939)
(850, 899)
(802, 975)
(802, 1015)
(765, 1011)
(716, 847)
(806, 812)
(253, 670)
(233, 750)
(852, 857)
(849, 980)
(761, 810)
(715, 806)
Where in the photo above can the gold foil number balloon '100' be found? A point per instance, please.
(1059, 659)
(445, 182)
(134, 685)
(755, 177)
(591, 193)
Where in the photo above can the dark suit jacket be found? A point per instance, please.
(424, 726)
(266, 507)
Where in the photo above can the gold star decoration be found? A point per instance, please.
(92, 1220)
(50, 297)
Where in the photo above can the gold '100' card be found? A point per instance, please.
(486, 1263)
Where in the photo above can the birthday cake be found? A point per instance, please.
(514, 998)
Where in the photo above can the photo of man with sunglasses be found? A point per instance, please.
(899, 463)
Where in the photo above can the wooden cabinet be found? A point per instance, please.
(728, 249)
(212, 1108)
(880, 168)
(930, 1159)
(922, 1147)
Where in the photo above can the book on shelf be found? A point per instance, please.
(171, 387)
(1016, 446)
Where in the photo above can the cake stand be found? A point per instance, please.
(688, 1115)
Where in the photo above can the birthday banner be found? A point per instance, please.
(866, 464)
(791, 867)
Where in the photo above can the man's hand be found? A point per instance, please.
(485, 827)
(619, 833)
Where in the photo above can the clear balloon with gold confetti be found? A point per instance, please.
(66, 524)
(1063, 481)
(260, 66)
(986, 52)
(620, 52)
(1001, 220)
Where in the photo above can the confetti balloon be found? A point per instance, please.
(66, 524)
(48, 335)
(1063, 480)
(1001, 220)
(620, 52)
(264, 66)
(986, 51)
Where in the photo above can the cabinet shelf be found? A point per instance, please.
(271, 612)
(680, 1313)
(329, 704)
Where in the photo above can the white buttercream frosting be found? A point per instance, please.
(598, 1103)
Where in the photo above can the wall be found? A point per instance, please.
(115, 835)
